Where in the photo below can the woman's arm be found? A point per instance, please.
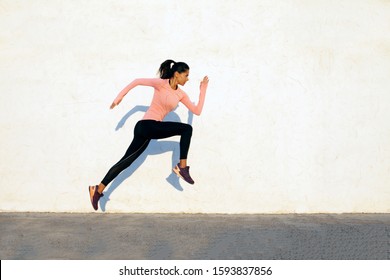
(154, 82)
(197, 109)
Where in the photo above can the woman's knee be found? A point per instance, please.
(188, 129)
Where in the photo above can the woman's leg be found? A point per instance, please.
(136, 148)
(160, 130)
(144, 131)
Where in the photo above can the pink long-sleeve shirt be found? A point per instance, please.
(165, 99)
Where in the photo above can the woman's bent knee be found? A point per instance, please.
(188, 129)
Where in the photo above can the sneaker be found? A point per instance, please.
(95, 196)
(183, 173)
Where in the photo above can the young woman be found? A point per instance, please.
(167, 95)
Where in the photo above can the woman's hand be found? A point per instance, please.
(114, 104)
(204, 82)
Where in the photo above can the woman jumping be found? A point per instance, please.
(167, 95)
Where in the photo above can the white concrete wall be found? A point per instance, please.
(296, 120)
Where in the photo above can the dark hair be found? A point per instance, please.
(169, 67)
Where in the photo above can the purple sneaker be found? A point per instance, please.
(183, 173)
(95, 196)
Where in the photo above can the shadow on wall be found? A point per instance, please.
(155, 147)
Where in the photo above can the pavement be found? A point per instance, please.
(73, 236)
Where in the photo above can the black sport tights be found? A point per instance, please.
(144, 131)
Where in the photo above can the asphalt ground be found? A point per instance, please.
(97, 236)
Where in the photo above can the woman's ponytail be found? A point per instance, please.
(169, 67)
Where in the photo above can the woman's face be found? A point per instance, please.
(182, 78)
